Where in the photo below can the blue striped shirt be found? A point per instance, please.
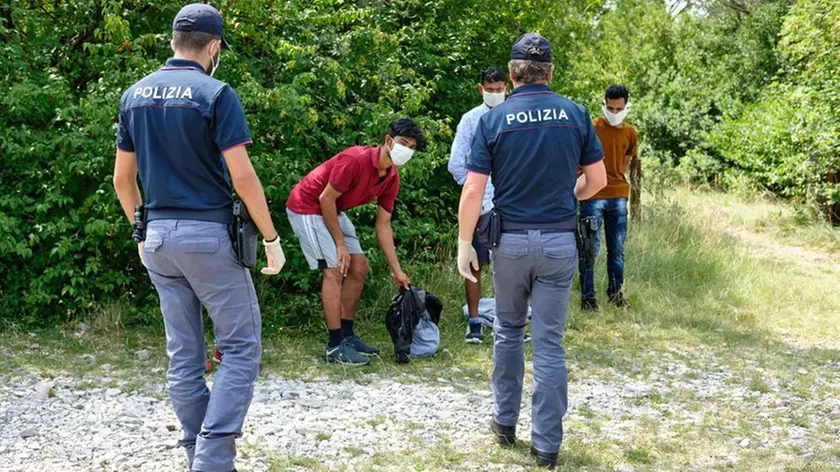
(461, 149)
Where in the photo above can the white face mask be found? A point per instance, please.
(215, 61)
(493, 99)
(615, 119)
(400, 154)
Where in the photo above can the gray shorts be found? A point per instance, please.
(317, 242)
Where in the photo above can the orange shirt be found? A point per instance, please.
(620, 144)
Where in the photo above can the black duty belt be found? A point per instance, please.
(558, 226)
(224, 215)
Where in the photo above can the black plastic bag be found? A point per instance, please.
(405, 312)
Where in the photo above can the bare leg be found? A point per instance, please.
(353, 284)
(331, 297)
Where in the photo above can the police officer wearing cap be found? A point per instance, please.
(533, 145)
(185, 132)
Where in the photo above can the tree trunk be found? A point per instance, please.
(833, 210)
(635, 189)
(6, 15)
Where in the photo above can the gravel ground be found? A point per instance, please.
(59, 424)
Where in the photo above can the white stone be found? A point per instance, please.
(143, 355)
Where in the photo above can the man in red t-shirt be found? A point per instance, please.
(316, 206)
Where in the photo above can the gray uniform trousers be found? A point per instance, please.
(536, 266)
(192, 263)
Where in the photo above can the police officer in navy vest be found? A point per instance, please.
(185, 132)
(533, 145)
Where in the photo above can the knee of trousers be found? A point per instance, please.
(505, 333)
(245, 362)
(548, 357)
(191, 385)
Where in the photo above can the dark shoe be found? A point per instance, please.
(544, 459)
(345, 354)
(589, 304)
(619, 301)
(475, 333)
(402, 357)
(360, 346)
(505, 435)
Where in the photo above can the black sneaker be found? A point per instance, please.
(589, 304)
(345, 354)
(360, 346)
(505, 435)
(544, 459)
(619, 301)
(475, 333)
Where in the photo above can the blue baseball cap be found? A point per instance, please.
(531, 47)
(201, 17)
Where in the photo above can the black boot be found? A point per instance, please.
(618, 300)
(589, 304)
(544, 459)
(505, 435)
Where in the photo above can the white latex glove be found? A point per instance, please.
(467, 258)
(275, 256)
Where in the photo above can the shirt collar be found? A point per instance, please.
(179, 64)
(530, 88)
(374, 161)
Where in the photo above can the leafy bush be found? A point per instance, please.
(315, 77)
(742, 97)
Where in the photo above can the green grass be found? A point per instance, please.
(762, 313)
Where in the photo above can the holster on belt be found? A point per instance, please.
(587, 228)
(244, 235)
(488, 231)
(139, 224)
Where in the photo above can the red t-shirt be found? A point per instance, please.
(355, 173)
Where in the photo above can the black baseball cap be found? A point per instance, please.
(201, 17)
(531, 47)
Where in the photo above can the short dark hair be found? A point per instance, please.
(492, 74)
(407, 128)
(191, 40)
(616, 91)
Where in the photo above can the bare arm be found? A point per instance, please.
(125, 182)
(594, 178)
(470, 207)
(385, 236)
(249, 188)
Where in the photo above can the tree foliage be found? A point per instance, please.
(730, 92)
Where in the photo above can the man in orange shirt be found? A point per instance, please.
(609, 205)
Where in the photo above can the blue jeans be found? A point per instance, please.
(538, 267)
(192, 263)
(613, 213)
